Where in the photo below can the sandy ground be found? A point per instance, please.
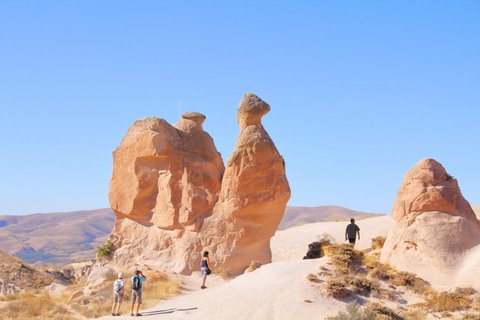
(276, 291)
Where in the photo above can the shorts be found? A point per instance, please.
(136, 296)
(117, 297)
(351, 240)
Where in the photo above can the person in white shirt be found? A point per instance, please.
(118, 293)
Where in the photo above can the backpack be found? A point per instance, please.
(136, 284)
(117, 286)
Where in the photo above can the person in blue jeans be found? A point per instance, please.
(137, 281)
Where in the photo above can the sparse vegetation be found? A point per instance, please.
(156, 288)
(449, 177)
(446, 301)
(357, 273)
(104, 250)
(356, 312)
(223, 272)
(42, 305)
(254, 265)
(315, 249)
(378, 242)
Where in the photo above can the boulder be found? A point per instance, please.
(173, 197)
(434, 227)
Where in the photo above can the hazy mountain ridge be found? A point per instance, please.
(55, 238)
(295, 216)
(62, 237)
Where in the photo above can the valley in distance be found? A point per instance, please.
(56, 239)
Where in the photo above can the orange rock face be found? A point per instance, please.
(173, 198)
(253, 196)
(434, 225)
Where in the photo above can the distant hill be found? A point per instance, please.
(16, 275)
(295, 216)
(63, 237)
(55, 238)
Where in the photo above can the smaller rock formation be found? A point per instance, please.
(434, 225)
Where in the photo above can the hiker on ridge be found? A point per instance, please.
(137, 280)
(118, 294)
(352, 231)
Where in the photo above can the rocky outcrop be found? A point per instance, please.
(78, 270)
(173, 197)
(434, 226)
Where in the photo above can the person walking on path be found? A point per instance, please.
(137, 280)
(118, 294)
(352, 231)
(204, 268)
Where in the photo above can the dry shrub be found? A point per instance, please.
(159, 290)
(315, 249)
(416, 284)
(471, 317)
(223, 272)
(362, 283)
(355, 312)
(254, 265)
(446, 301)
(377, 243)
(383, 312)
(414, 315)
(466, 291)
(335, 289)
(312, 277)
(35, 305)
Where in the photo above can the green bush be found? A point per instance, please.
(105, 250)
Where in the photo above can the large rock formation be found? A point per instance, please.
(173, 198)
(434, 226)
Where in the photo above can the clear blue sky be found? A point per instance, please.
(360, 91)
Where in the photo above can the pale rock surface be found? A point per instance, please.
(173, 198)
(78, 270)
(56, 289)
(434, 227)
(476, 209)
(7, 288)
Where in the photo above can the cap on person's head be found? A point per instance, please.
(120, 276)
(137, 271)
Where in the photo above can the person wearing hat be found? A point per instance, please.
(137, 280)
(118, 294)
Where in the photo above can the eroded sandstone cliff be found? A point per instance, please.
(173, 197)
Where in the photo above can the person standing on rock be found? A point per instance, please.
(137, 280)
(352, 231)
(204, 268)
(118, 294)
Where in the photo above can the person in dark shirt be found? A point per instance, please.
(352, 231)
(204, 268)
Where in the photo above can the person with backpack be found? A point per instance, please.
(137, 280)
(118, 294)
